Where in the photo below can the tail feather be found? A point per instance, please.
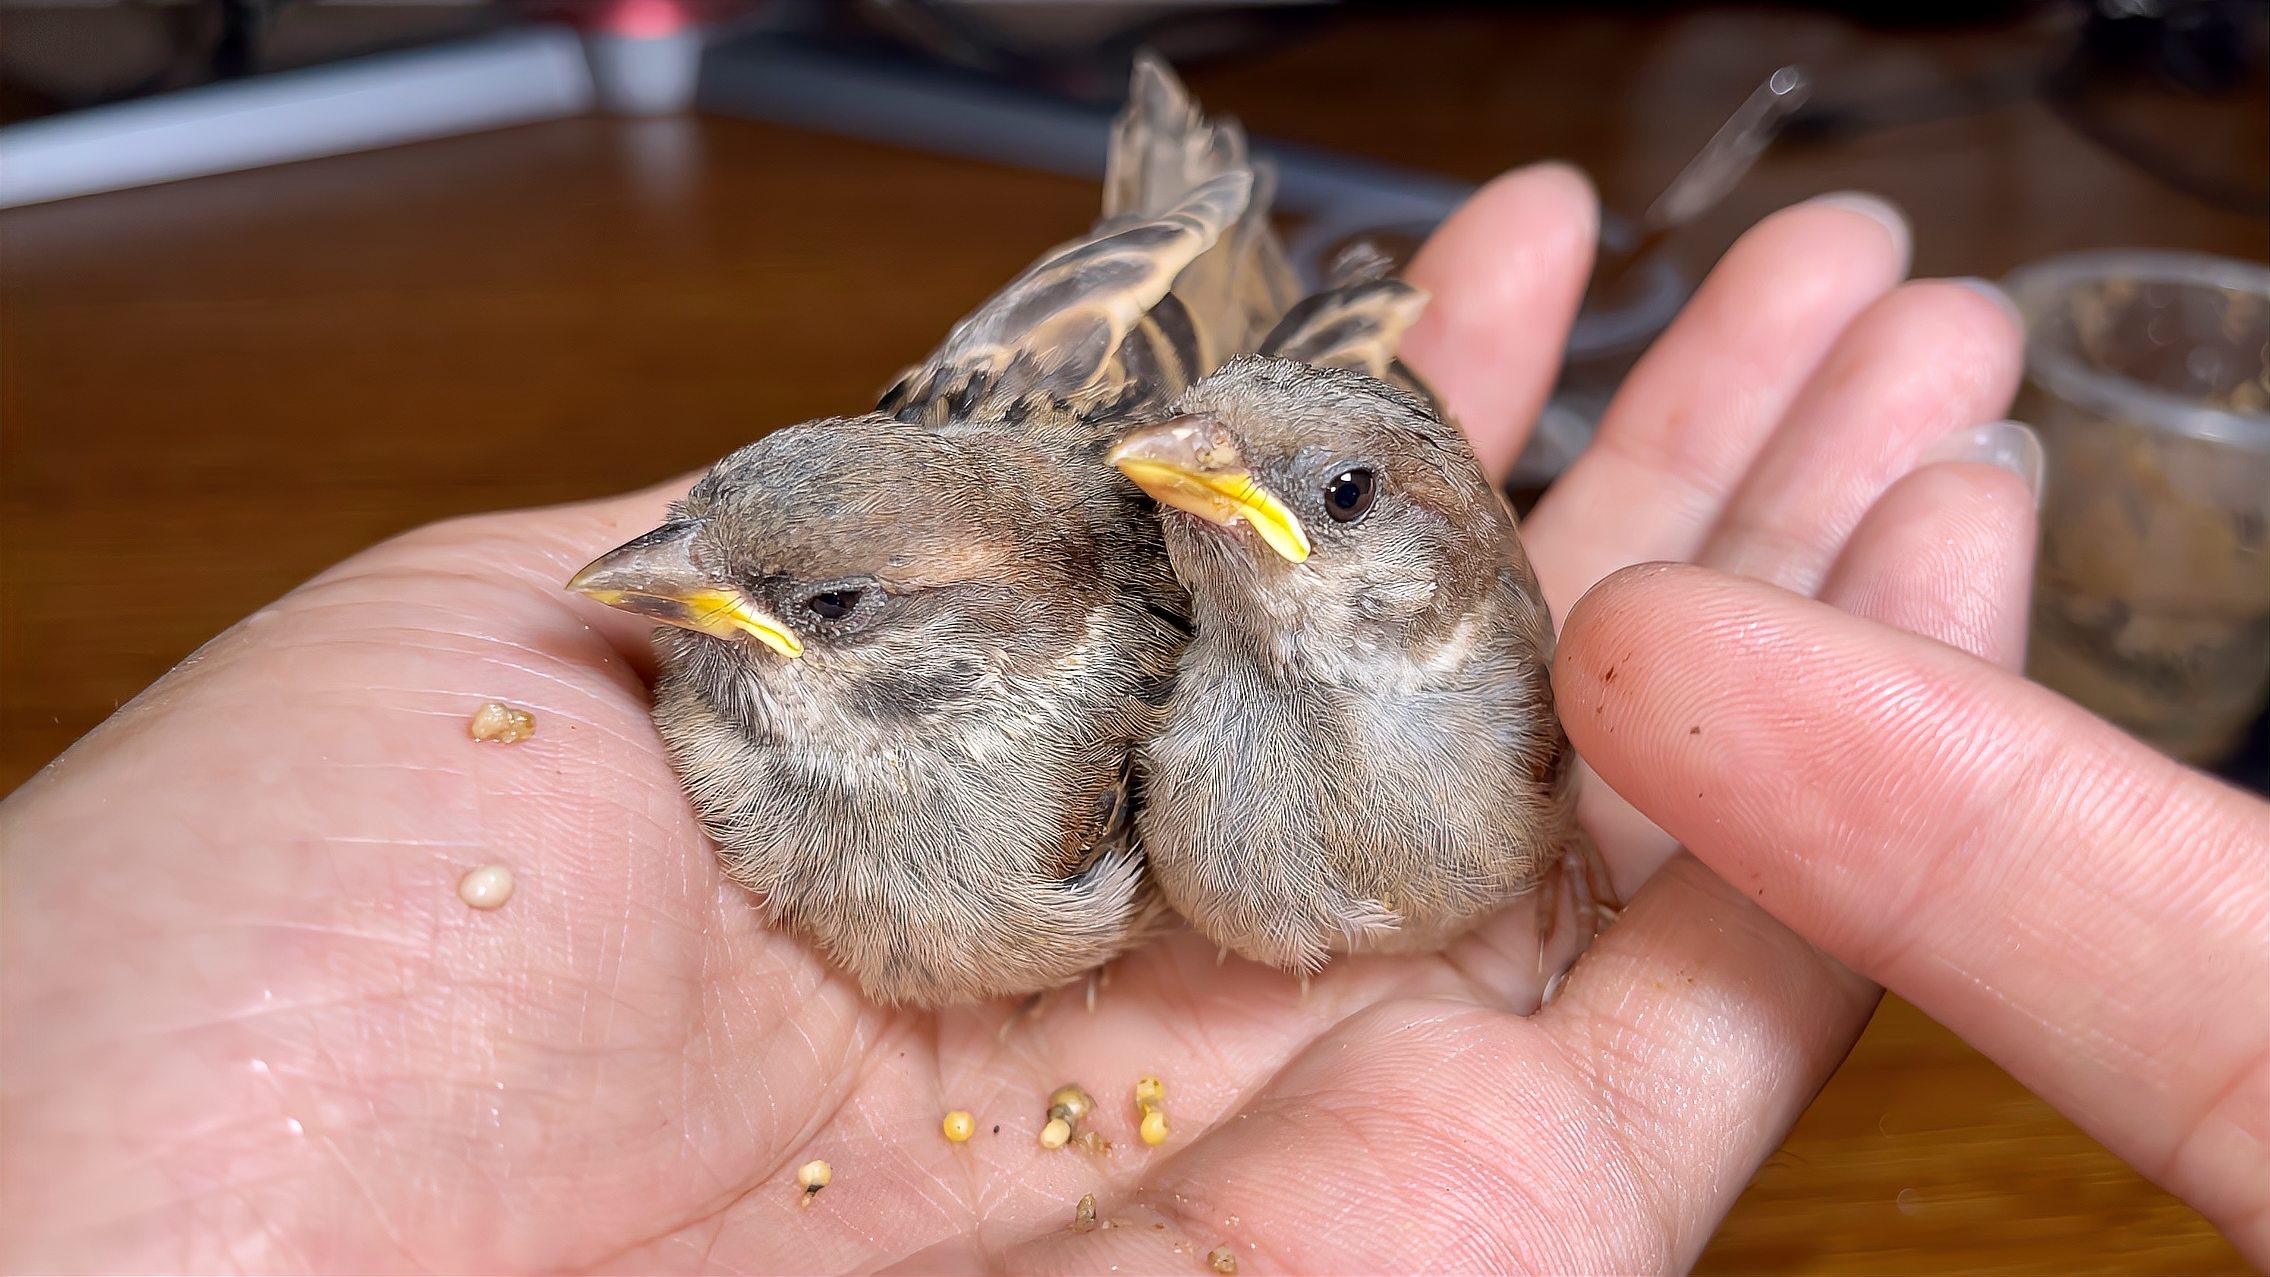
(1182, 272)
(1162, 146)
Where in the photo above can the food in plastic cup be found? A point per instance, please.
(2148, 375)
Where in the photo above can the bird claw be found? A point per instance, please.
(1589, 894)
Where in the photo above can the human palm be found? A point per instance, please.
(251, 1024)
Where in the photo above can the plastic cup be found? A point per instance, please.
(2148, 375)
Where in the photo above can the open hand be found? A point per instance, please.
(251, 1025)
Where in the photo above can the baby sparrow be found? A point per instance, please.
(914, 650)
(1360, 753)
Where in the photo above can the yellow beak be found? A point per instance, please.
(1192, 464)
(722, 613)
(653, 576)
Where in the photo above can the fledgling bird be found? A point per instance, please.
(914, 650)
(1360, 753)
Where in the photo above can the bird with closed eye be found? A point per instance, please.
(1361, 753)
(910, 653)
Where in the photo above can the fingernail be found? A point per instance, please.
(1876, 209)
(2011, 445)
(1992, 292)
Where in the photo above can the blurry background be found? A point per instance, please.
(640, 232)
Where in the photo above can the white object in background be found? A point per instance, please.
(515, 77)
(638, 74)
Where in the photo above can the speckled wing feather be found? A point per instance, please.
(1161, 145)
(1357, 323)
(1181, 272)
(1056, 330)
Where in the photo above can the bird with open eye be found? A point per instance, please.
(1360, 754)
(910, 653)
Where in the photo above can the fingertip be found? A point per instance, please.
(2007, 306)
(1851, 248)
(1625, 628)
(1622, 595)
(1505, 272)
(1953, 487)
(1547, 197)
(1880, 212)
(1947, 553)
(2011, 446)
(1980, 314)
(1555, 184)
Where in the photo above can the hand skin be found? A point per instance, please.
(248, 1024)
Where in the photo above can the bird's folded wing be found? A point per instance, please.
(1181, 272)
(1358, 324)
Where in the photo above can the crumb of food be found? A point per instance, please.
(1222, 1259)
(1084, 1214)
(1067, 1104)
(959, 1126)
(1070, 1102)
(813, 1176)
(501, 723)
(486, 887)
(1150, 1096)
(1093, 1141)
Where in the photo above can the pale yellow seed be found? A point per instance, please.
(960, 1126)
(813, 1176)
(1222, 1260)
(1154, 1127)
(1149, 1091)
(1070, 1102)
(502, 723)
(1056, 1134)
(486, 887)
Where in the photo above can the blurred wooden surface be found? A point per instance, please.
(210, 390)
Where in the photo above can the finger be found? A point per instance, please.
(1922, 361)
(1948, 551)
(1916, 364)
(1505, 275)
(2083, 910)
(1701, 403)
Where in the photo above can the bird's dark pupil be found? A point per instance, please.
(1348, 495)
(830, 605)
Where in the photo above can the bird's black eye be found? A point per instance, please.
(1349, 494)
(833, 605)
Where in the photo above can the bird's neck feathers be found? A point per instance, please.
(1309, 628)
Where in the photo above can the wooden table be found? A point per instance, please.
(210, 390)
